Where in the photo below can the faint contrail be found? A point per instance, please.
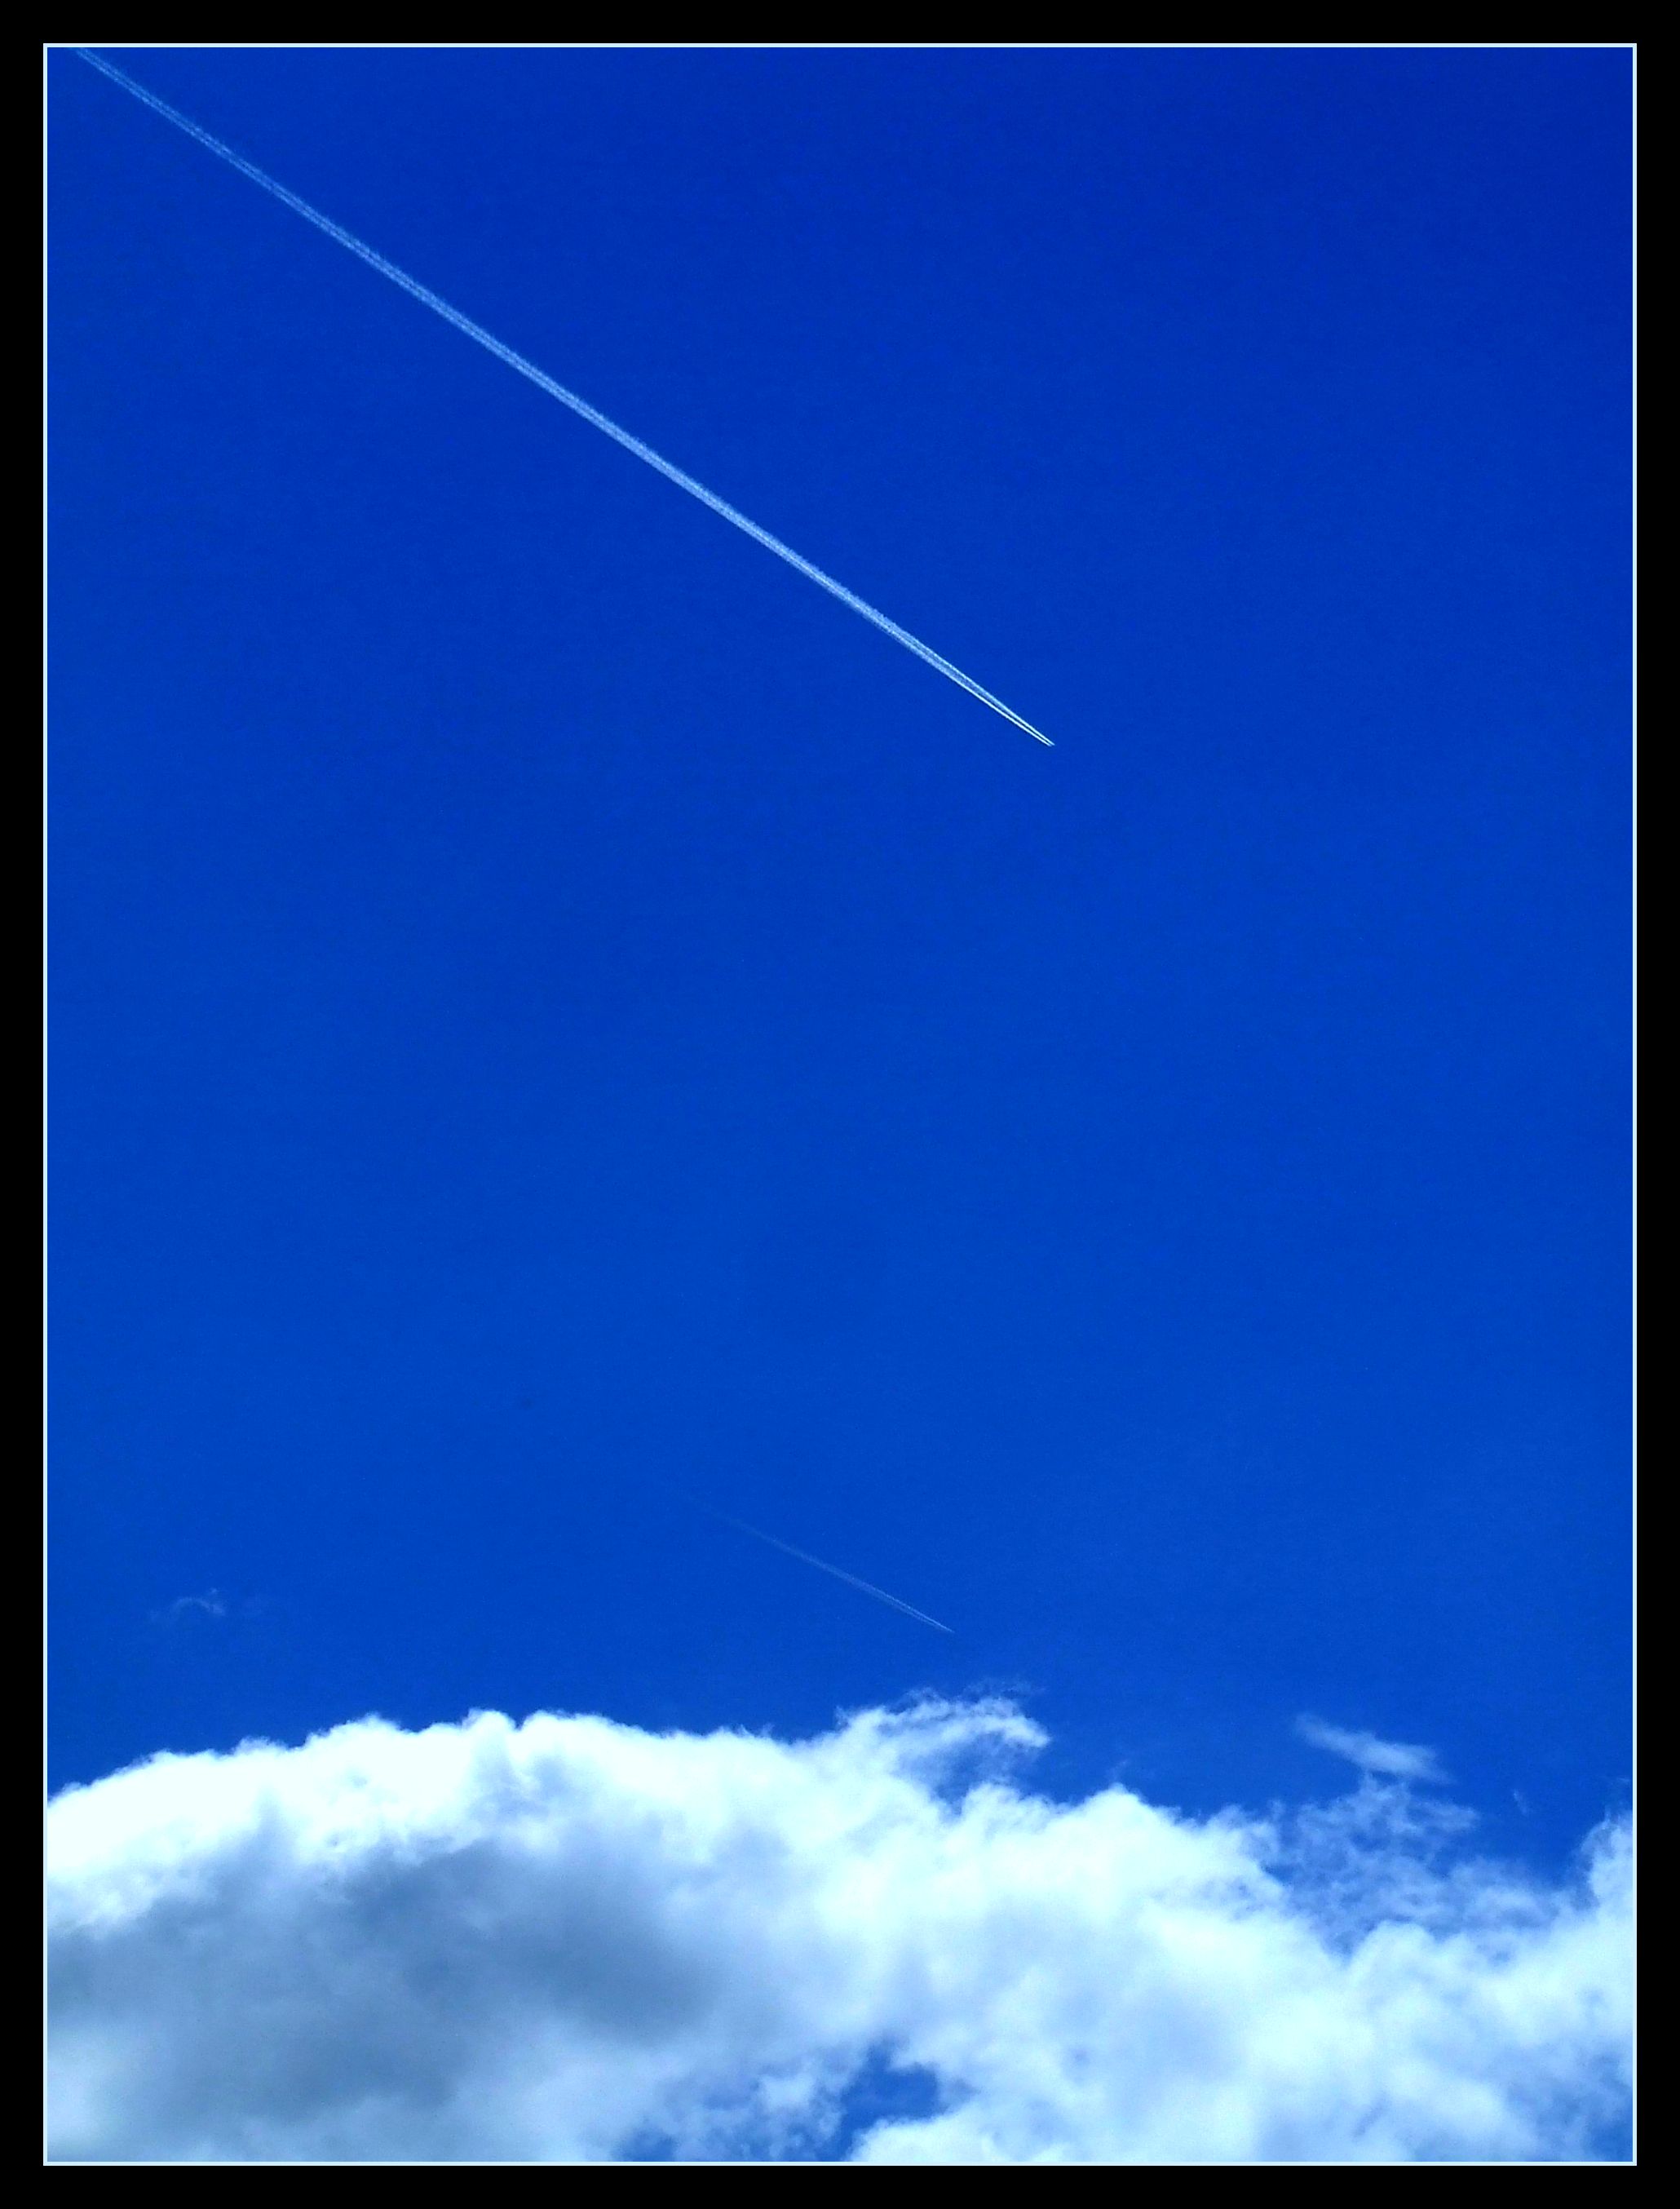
(556, 390)
(850, 1578)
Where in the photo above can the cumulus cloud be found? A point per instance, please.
(568, 1940)
(1396, 1760)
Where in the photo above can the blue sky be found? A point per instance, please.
(554, 1018)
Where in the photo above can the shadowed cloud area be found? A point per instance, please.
(573, 1940)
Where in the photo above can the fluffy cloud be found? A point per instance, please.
(568, 1940)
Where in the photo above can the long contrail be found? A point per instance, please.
(528, 369)
(850, 1578)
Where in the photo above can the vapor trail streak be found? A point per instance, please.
(525, 368)
(850, 1578)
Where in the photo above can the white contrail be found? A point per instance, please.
(850, 1578)
(556, 390)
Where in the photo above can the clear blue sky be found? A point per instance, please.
(554, 1016)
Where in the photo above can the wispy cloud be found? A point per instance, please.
(1391, 1760)
(569, 1940)
(211, 1605)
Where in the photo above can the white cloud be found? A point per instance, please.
(569, 1940)
(211, 1604)
(1393, 1759)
